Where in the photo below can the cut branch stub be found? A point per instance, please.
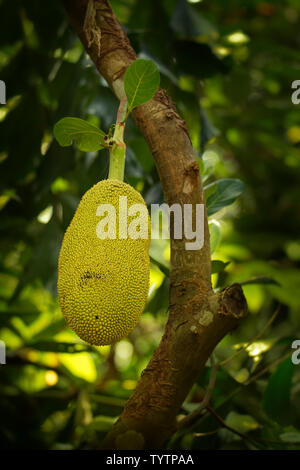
(234, 302)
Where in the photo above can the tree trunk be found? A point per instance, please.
(198, 318)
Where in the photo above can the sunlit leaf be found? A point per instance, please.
(215, 235)
(164, 269)
(207, 163)
(240, 422)
(218, 266)
(80, 365)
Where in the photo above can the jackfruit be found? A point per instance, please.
(103, 283)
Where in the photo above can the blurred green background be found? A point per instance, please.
(228, 66)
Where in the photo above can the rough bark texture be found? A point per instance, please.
(199, 318)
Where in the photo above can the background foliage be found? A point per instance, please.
(228, 67)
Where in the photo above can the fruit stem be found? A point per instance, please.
(118, 147)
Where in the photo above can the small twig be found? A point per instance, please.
(122, 110)
(266, 369)
(189, 420)
(259, 335)
(226, 426)
(117, 148)
(208, 433)
(254, 378)
(235, 431)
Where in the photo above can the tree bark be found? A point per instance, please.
(198, 317)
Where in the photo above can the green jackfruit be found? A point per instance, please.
(103, 283)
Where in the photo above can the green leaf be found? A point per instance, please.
(209, 190)
(208, 130)
(276, 399)
(260, 280)
(43, 262)
(185, 52)
(240, 422)
(58, 347)
(290, 437)
(215, 235)
(187, 22)
(50, 330)
(141, 80)
(6, 316)
(87, 137)
(101, 423)
(207, 162)
(142, 153)
(218, 266)
(225, 192)
(164, 269)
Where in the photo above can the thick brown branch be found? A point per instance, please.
(158, 120)
(198, 318)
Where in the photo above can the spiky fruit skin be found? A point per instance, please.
(103, 284)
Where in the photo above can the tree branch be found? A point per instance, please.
(198, 318)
